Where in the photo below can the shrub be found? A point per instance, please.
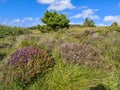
(81, 54)
(44, 28)
(100, 87)
(114, 27)
(6, 30)
(4, 45)
(54, 21)
(114, 24)
(28, 63)
(2, 56)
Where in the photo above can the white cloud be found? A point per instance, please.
(82, 7)
(57, 4)
(5, 21)
(87, 13)
(46, 1)
(111, 18)
(101, 24)
(16, 21)
(37, 18)
(61, 5)
(28, 18)
(77, 16)
(76, 23)
(24, 22)
(94, 17)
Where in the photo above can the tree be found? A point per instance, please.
(114, 24)
(54, 21)
(89, 23)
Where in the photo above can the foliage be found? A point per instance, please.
(6, 30)
(28, 63)
(114, 24)
(100, 87)
(118, 54)
(81, 54)
(44, 28)
(89, 23)
(55, 21)
(65, 75)
(2, 55)
(27, 42)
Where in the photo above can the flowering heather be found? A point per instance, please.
(25, 54)
(81, 54)
(29, 62)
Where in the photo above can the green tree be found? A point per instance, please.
(54, 21)
(89, 23)
(114, 24)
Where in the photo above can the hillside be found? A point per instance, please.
(85, 58)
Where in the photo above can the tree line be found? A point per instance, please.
(53, 21)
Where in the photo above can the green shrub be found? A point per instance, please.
(100, 87)
(114, 24)
(44, 28)
(4, 45)
(2, 56)
(6, 30)
(27, 64)
(55, 21)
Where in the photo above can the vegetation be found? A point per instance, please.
(6, 30)
(55, 21)
(89, 23)
(80, 54)
(26, 64)
(114, 24)
(78, 58)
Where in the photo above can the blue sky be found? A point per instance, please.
(25, 13)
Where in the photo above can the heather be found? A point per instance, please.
(77, 58)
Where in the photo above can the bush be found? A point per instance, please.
(44, 28)
(114, 27)
(2, 56)
(29, 63)
(6, 30)
(114, 24)
(54, 21)
(100, 87)
(81, 54)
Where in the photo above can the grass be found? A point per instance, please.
(65, 75)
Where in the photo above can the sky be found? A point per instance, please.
(27, 13)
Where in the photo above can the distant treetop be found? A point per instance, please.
(89, 23)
